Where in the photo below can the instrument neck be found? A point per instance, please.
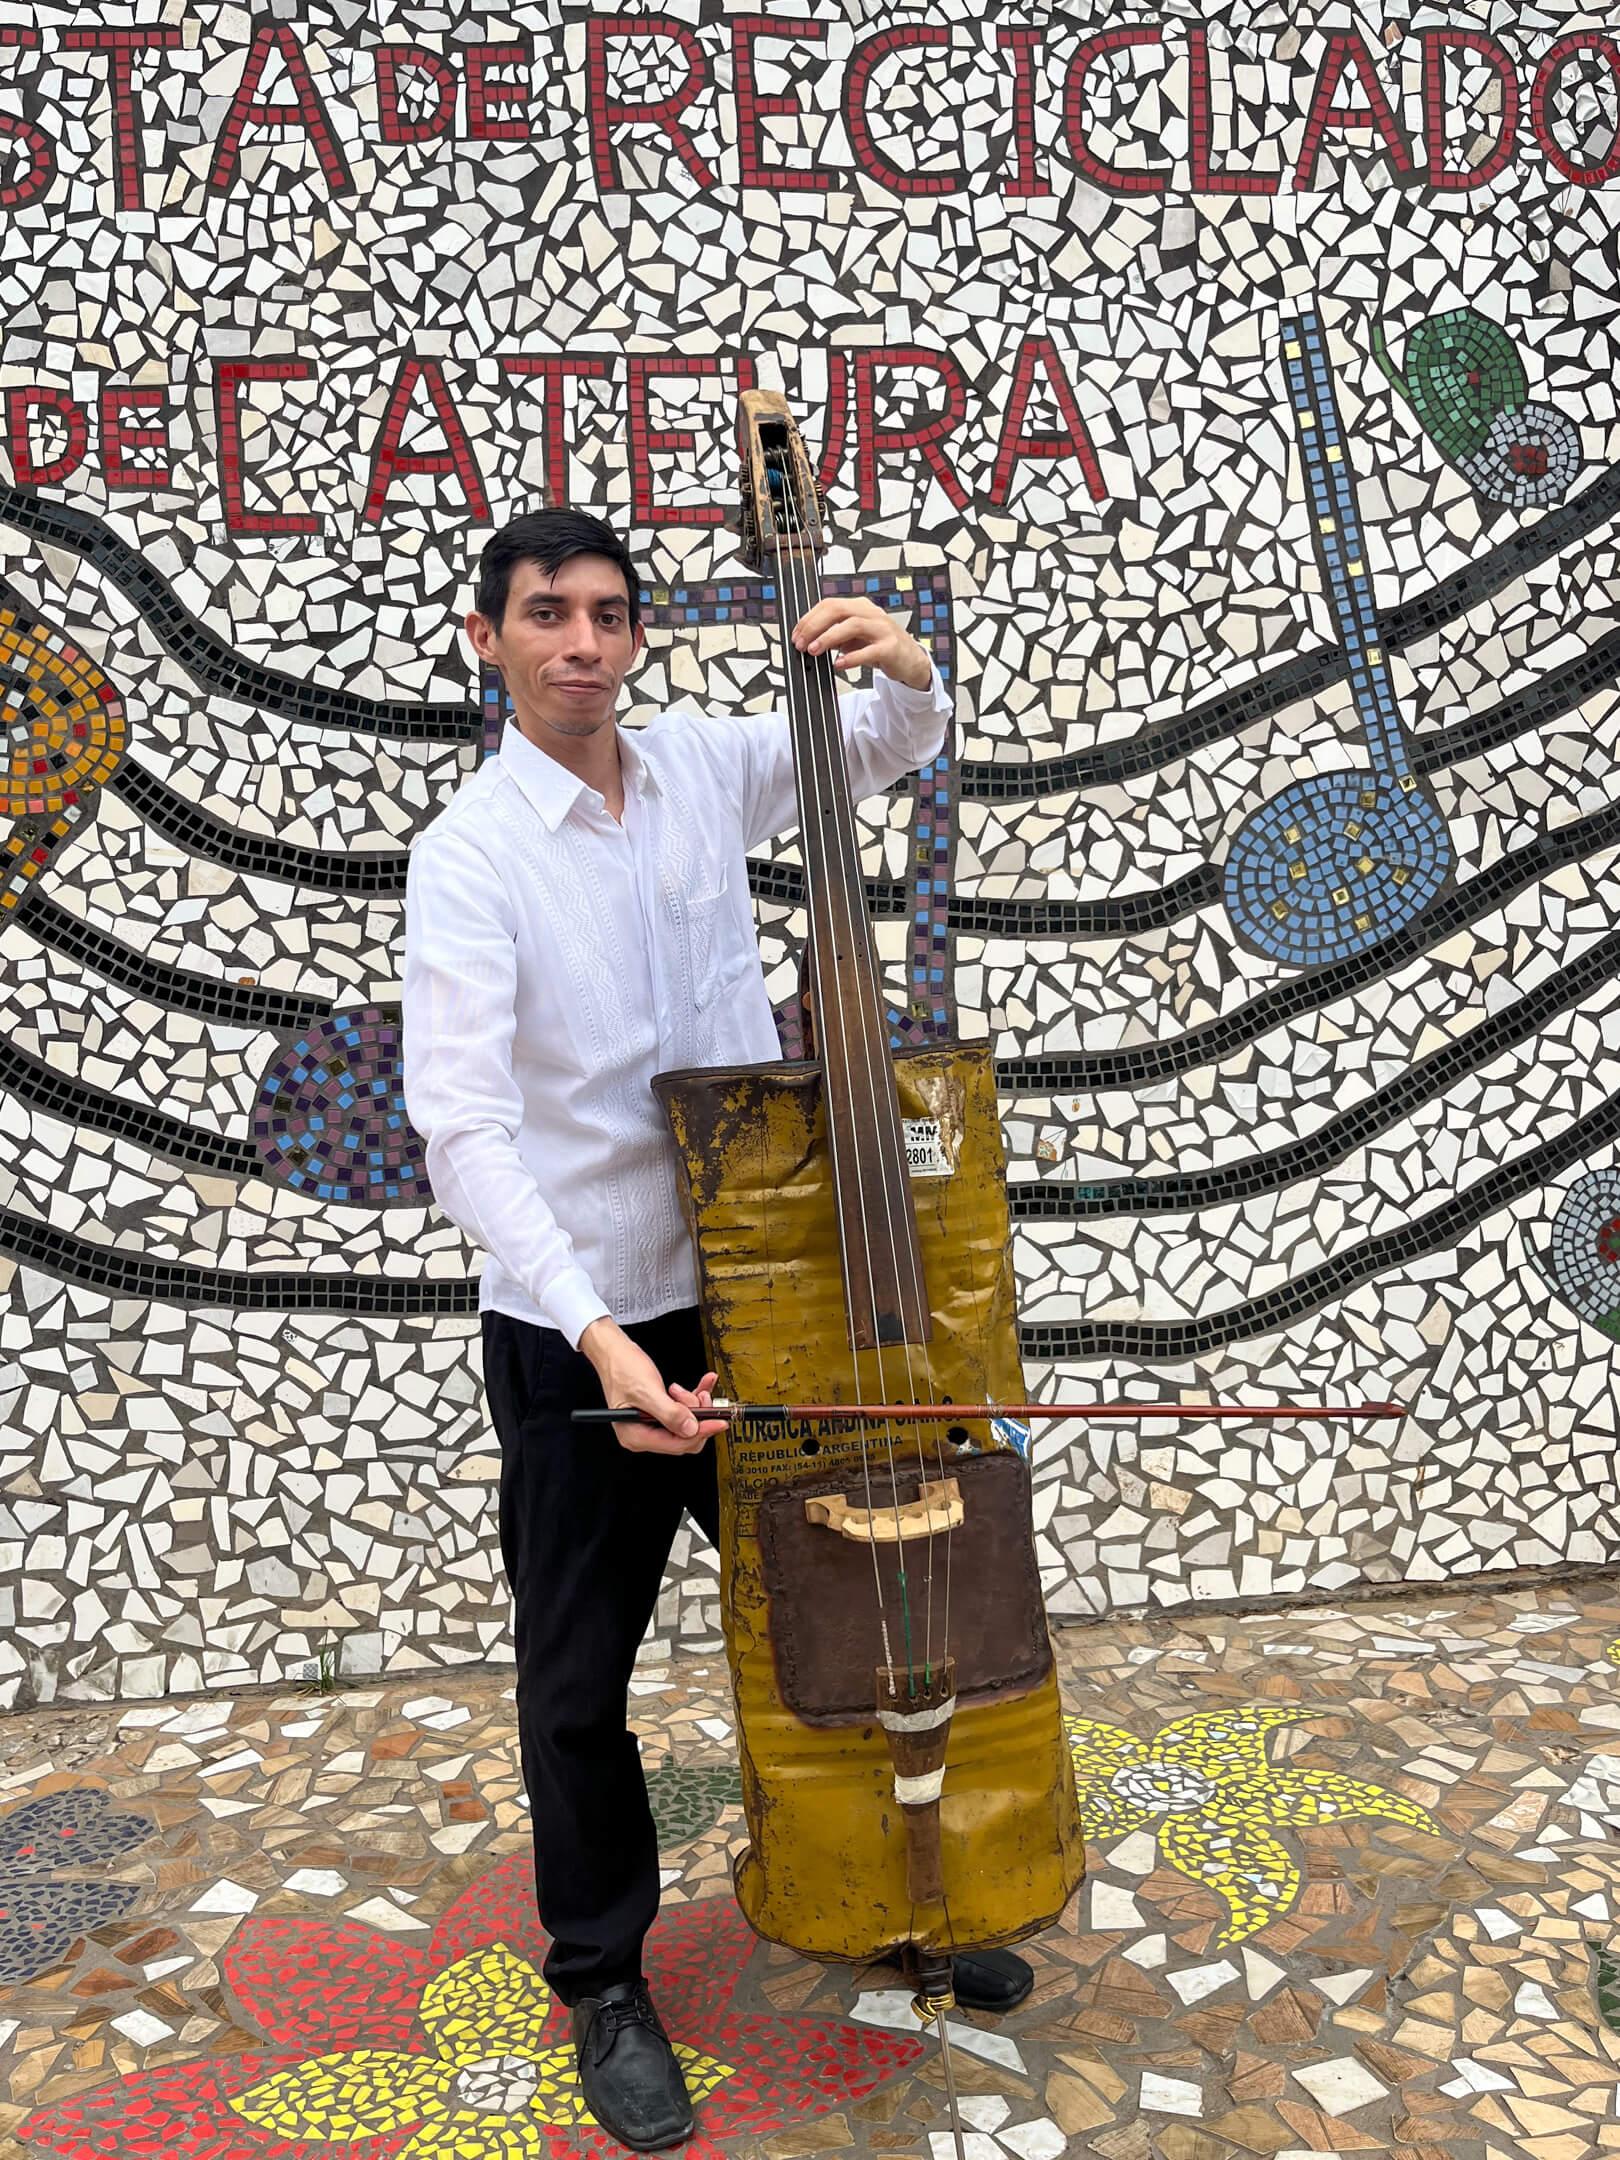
(883, 1266)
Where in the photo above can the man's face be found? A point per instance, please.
(564, 645)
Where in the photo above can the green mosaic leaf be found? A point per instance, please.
(686, 1802)
(1461, 371)
(1606, 1984)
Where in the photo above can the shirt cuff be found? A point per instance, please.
(932, 697)
(573, 1303)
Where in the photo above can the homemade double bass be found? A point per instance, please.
(906, 1776)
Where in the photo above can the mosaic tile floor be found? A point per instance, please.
(1355, 1888)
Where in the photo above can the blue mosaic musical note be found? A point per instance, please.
(1337, 863)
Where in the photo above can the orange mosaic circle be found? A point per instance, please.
(62, 725)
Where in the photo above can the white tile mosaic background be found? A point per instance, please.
(192, 1497)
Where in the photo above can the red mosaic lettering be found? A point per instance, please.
(1460, 180)
(1206, 179)
(21, 405)
(40, 169)
(927, 437)
(489, 118)
(1553, 64)
(836, 425)
(390, 461)
(1074, 439)
(121, 49)
(1347, 49)
(646, 441)
(868, 56)
(229, 377)
(305, 110)
(753, 110)
(120, 441)
(1023, 42)
(431, 67)
(1117, 179)
(608, 113)
(554, 372)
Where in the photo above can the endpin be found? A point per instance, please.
(933, 1998)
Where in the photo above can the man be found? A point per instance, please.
(577, 920)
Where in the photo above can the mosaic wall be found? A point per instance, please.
(1230, 402)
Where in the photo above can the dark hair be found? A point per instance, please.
(549, 538)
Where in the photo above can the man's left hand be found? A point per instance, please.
(861, 634)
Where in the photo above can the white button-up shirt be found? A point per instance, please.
(556, 959)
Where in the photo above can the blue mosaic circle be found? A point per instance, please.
(330, 1119)
(1333, 865)
(1582, 1257)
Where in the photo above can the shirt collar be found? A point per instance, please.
(552, 788)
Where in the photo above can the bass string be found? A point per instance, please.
(826, 704)
(812, 843)
(835, 1046)
(893, 1203)
(835, 1049)
(823, 707)
(903, 1202)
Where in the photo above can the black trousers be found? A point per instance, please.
(586, 1527)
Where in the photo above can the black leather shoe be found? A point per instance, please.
(992, 1980)
(627, 2069)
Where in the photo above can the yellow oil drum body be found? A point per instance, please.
(825, 1871)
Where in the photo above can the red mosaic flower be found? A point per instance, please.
(352, 2015)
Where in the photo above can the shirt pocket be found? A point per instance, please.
(710, 934)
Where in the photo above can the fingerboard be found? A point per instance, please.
(882, 1261)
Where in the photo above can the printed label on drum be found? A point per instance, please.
(1013, 1433)
(925, 1148)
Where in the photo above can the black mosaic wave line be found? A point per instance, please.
(1063, 1199)
(380, 874)
(1308, 674)
(1441, 1230)
(1031, 1199)
(179, 989)
(215, 665)
(783, 883)
(1548, 698)
(75, 1102)
(1070, 1072)
(1129, 915)
(122, 1273)
(118, 1272)
(1057, 1072)
(207, 657)
(1034, 1199)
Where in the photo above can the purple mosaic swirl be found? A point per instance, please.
(330, 1120)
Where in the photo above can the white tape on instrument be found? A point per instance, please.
(918, 1720)
(915, 1791)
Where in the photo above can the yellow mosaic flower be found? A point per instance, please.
(493, 2090)
(1612, 1651)
(1205, 1790)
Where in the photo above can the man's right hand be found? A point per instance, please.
(670, 1425)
